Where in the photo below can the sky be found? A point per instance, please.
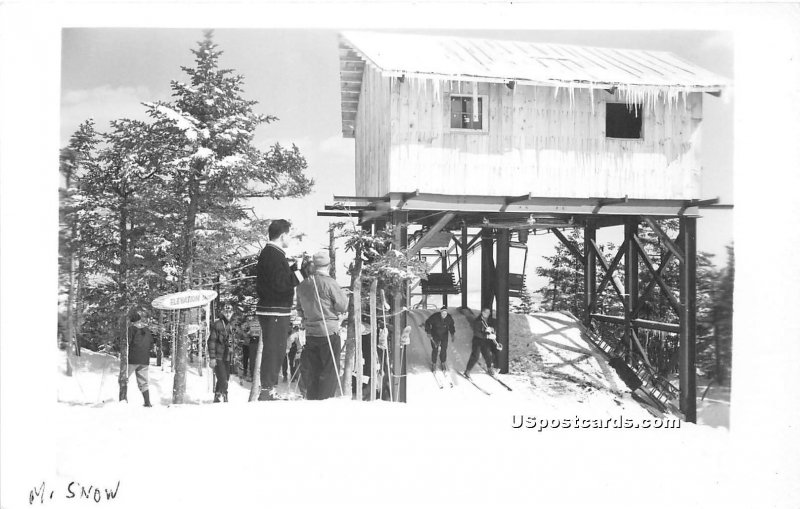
(294, 75)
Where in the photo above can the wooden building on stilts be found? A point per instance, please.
(490, 140)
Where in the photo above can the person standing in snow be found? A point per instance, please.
(220, 352)
(140, 341)
(439, 327)
(481, 344)
(320, 300)
(275, 282)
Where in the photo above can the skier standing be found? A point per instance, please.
(140, 341)
(439, 326)
(320, 300)
(220, 352)
(275, 282)
(482, 326)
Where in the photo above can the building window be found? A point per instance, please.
(462, 113)
(623, 121)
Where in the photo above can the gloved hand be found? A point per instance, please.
(212, 363)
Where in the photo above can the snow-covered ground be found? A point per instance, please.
(429, 452)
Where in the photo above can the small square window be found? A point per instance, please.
(623, 121)
(462, 113)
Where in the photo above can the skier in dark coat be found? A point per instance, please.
(483, 325)
(275, 282)
(439, 326)
(220, 352)
(140, 341)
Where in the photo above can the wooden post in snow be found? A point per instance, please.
(359, 361)
(373, 339)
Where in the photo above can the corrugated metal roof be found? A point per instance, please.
(533, 63)
(554, 64)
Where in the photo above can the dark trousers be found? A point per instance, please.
(245, 359)
(288, 362)
(481, 346)
(253, 349)
(274, 333)
(319, 369)
(222, 372)
(439, 345)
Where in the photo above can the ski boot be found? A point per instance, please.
(123, 393)
(225, 397)
(146, 396)
(216, 397)
(466, 375)
(491, 371)
(444, 367)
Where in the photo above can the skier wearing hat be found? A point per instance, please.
(220, 352)
(320, 300)
(439, 326)
(140, 341)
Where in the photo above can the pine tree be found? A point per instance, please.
(209, 128)
(156, 204)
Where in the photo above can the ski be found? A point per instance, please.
(495, 378)
(448, 378)
(470, 380)
(438, 380)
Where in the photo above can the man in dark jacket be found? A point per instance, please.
(220, 352)
(439, 326)
(140, 341)
(275, 282)
(481, 344)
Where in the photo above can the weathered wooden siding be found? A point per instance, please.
(538, 141)
(372, 135)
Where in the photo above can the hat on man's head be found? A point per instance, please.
(443, 308)
(321, 258)
(134, 316)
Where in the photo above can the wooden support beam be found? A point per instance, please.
(360, 198)
(436, 228)
(631, 283)
(676, 305)
(337, 213)
(688, 323)
(677, 251)
(515, 199)
(602, 202)
(373, 339)
(569, 245)
(651, 325)
(407, 196)
(589, 271)
(609, 274)
(487, 268)
(444, 271)
(501, 292)
(464, 265)
(399, 357)
(650, 286)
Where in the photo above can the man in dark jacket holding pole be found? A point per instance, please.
(275, 282)
(439, 326)
(140, 341)
(220, 352)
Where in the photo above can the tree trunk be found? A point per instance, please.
(350, 342)
(70, 304)
(180, 355)
(122, 323)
